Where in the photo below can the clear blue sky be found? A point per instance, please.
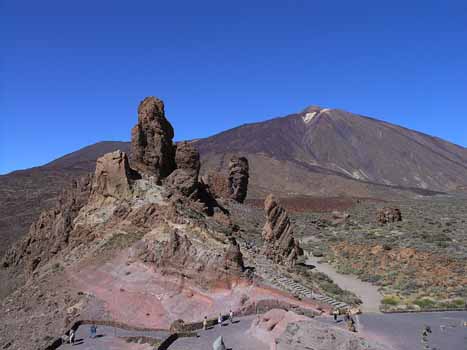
(73, 72)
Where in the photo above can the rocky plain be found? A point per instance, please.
(156, 239)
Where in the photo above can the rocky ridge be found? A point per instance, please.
(280, 244)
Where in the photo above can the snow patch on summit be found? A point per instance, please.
(308, 117)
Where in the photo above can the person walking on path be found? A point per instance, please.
(219, 320)
(72, 337)
(93, 331)
(334, 314)
(205, 323)
(231, 316)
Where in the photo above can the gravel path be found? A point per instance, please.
(367, 292)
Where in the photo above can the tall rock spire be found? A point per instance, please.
(152, 150)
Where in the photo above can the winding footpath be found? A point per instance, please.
(367, 292)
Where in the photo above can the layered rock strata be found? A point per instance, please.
(279, 242)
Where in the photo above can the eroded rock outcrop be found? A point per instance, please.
(180, 255)
(232, 186)
(113, 176)
(279, 242)
(185, 177)
(388, 215)
(238, 178)
(152, 150)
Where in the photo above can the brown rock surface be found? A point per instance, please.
(185, 177)
(388, 215)
(218, 184)
(204, 263)
(113, 176)
(234, 185)
(279, 242)
(238, 178)
(152, 150)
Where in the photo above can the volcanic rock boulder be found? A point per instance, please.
(152, 150)
(185, 177)
(279, 242)
(238, 178)
(388, 215)
(113, 176)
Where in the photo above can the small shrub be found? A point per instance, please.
(392, 300)
(425, 303)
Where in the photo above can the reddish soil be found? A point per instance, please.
(135, 294)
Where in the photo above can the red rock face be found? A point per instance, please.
(279, 242)
(387, 215)
(152, 150)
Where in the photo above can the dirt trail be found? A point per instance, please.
(367, 292)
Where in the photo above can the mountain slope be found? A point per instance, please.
(317, 152)
(336, 143)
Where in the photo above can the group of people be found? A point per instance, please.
(347, 318)
(220, 320)
(72, 335)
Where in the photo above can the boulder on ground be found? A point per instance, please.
(387, 215)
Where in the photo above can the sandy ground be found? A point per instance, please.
(367, 292)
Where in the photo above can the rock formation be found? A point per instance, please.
(238, 178)
(388, 215)
(233, 186)
(152, 150)
(279, 242)
(185, 177)
(218, 184)
(113, 176)
(180, 255)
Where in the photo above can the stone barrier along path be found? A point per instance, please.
(235, 337)
(109, 337)
(265, 270)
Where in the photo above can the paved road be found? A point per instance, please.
(367, 292)
(403, 331)
(108, 338)
(235, 337)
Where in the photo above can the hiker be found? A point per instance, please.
(93, 331)
(334, 314)
(219, 320)
(205, 323)
(231, 316)
(72, 337)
